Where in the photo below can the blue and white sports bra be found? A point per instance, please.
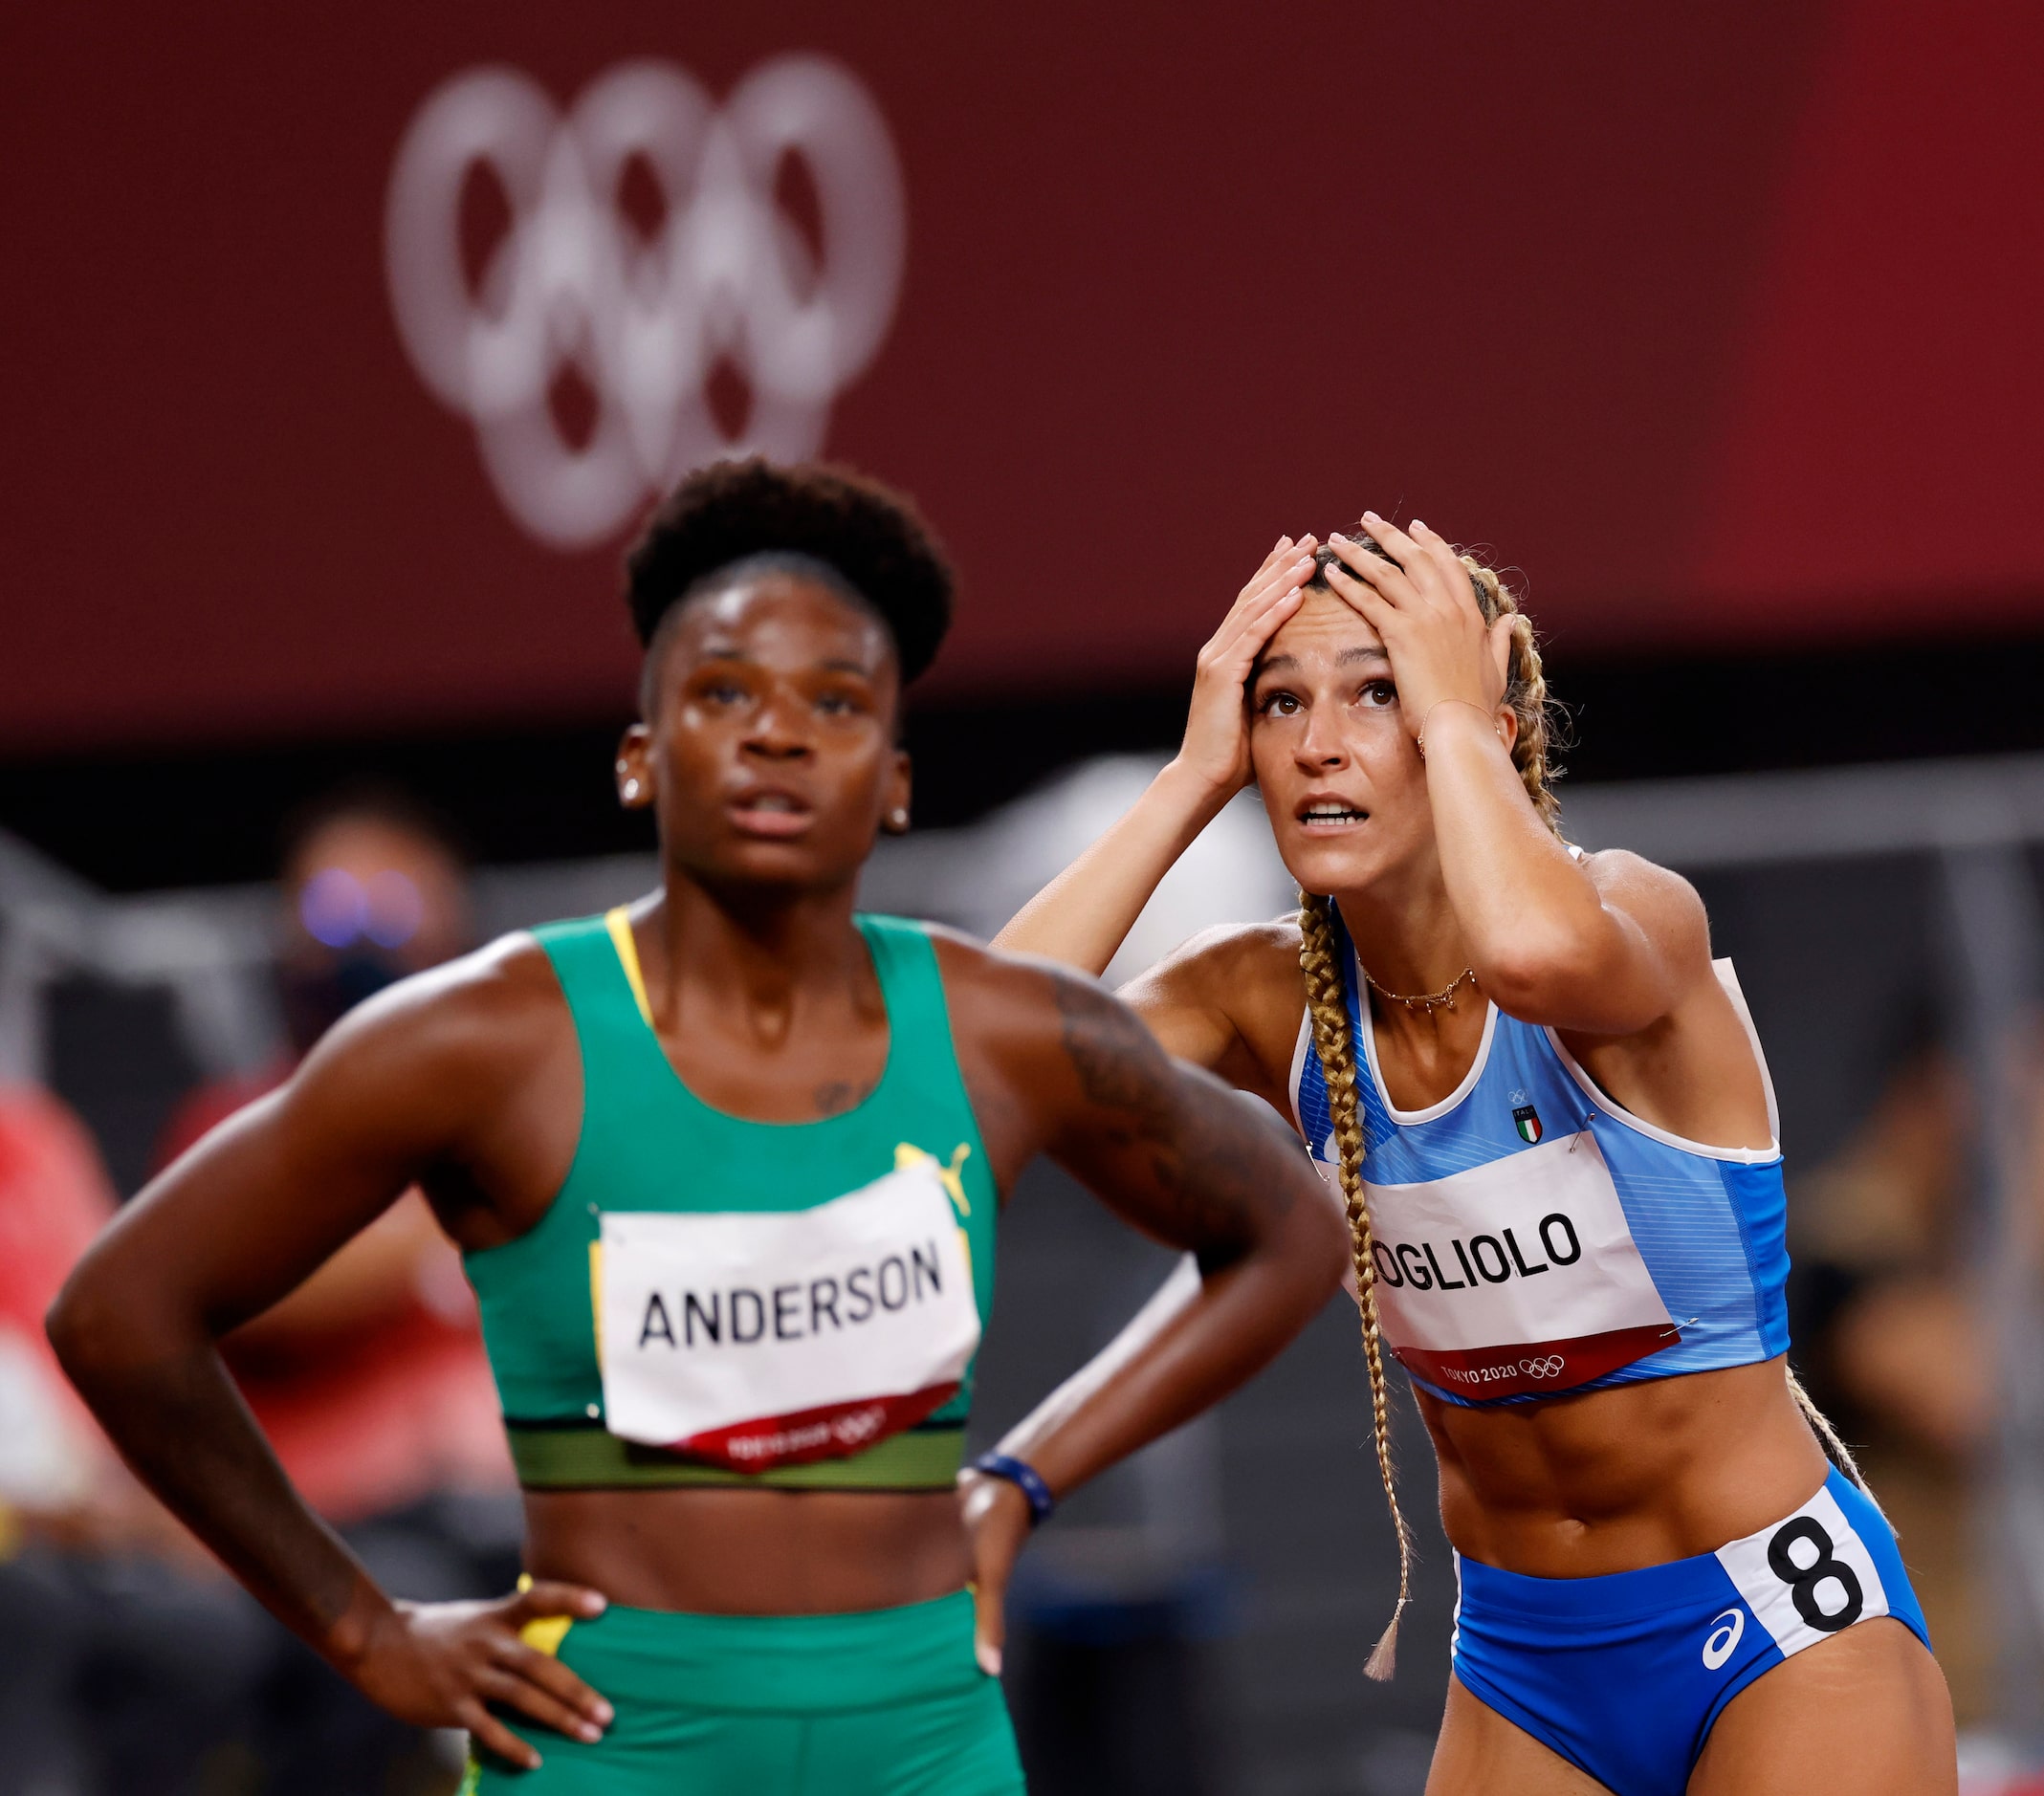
(1533, 1237)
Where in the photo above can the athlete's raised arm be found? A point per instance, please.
(1059, 1067)
(419, 1084)
(1083, 914)
(1606, 945)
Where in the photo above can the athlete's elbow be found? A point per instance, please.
(1523, 973)
(1311, 1237)
(99, 1320)
(84, 1324)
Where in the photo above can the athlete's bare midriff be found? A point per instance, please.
(751, 1552)
(1573, 1486)
(1618, 1479)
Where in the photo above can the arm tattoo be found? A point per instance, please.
(1212, 1160)
(1121, 1068)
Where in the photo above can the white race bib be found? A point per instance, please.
(1515, 1277)
(760, 1338)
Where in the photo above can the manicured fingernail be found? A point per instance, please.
(1370, 517)
(1416, 524)
(1336, 536)
(589, 1732)
(606, 1714)
(989, 1659)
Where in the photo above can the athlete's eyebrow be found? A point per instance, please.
(1346, 658)
(842, 665)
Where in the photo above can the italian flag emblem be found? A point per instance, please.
(1527, 1119)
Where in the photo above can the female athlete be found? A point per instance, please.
(1548, 1117)
(725, 1165)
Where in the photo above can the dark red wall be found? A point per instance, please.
(1717, 319)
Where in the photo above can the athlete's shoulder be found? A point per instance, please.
(1234, 957)
(1017, 988)
(1657, 897)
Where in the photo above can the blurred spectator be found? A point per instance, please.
(131, 1660)
(1900, 1343)
(370, 1380)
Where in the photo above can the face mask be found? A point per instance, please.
(316, 997)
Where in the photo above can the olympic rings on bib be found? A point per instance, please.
(727, 276)
(1547, 1366)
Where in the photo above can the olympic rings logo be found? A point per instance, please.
(726, 277)
(1548, 1366)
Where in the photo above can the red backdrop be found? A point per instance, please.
(1717, 319)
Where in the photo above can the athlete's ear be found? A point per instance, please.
(894, 799)
(634, 768)
(1507, 727)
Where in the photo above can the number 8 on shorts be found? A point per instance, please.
(1808, 1577)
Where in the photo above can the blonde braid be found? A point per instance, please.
(1525, 690)
(1327, 1006)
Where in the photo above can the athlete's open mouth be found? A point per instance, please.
(1331, 814)
(771, 812)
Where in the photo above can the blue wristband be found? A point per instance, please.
(1026, 1478)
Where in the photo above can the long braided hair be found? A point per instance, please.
(1525, 695)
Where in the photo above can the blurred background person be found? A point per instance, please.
(131, 1662)
(369, 1380)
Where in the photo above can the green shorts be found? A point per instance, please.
(884, 1703)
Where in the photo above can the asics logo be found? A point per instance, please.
(1547, 1366)
(1724, 1634)
(726, 277)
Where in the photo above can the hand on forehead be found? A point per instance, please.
(1324, 631)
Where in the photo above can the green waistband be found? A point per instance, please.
(580, 1457)
(652, 1660)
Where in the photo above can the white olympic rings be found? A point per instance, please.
(1547, 1366)
(727, 275)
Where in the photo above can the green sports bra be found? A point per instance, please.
(649, 1148)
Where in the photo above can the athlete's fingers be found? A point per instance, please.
(1360, 567)
(1403, 551)
(546, 1598)
(1500, 635)
(1454, 579)
(537, 1704)
(1378, 610)
(552, 1675)
(990, 1622)
(1245, 620)
(493, 1735)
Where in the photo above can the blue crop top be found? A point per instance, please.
(1533, 1237)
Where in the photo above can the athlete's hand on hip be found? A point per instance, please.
(442, 1665)
(997, 1525)
(1215, 750)
(1420, 602)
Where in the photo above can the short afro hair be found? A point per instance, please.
(869, 535)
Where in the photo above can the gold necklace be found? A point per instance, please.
(1445, 999)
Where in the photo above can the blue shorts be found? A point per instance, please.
(1624, 1675)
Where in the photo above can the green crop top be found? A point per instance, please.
(648, 1143)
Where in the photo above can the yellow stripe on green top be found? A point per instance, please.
(648, 1143)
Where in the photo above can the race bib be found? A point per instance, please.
(1516, 1277)
(759, 1339)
